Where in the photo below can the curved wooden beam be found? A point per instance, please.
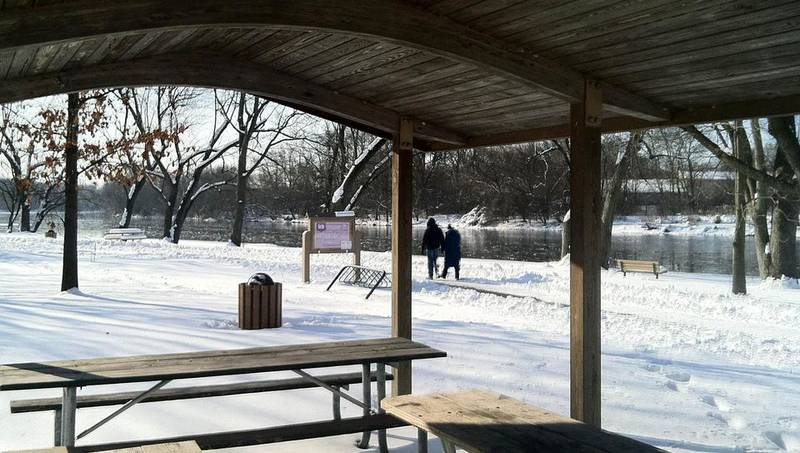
(392, 21)
(756, 108)
(204, 70)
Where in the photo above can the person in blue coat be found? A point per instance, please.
(452, 251)
(432, 242)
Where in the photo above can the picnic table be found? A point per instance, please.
(71, 374)
(481, 421)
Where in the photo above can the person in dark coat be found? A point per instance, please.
(452, 251)
(432, 243)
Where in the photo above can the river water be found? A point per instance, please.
(679, 253)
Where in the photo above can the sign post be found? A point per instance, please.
(330, 235)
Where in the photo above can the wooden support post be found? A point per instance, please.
(402, 199)
(306, 265)
(585, 209)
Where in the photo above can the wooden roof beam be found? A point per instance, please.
(760, 108)
(214, 71)
(395, 21)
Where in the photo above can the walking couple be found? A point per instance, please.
(434, 241)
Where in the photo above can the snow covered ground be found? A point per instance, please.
(686, 366)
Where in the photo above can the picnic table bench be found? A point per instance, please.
(173, 447)
(163, 368)
(647, 267)
(481, 421)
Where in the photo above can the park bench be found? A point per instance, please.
(70, 375)
(481, 421)
(125, 234)
(647, 267)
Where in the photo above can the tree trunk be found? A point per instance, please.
(784, 239)
(131, 195)
(241, 186)
(25, 214)
(344, 198)
(171, 194)
(14, 209)
(760, 207)
(565, 235)
(739, 285)
(613, 190)
(239, 209)
(38, 222)
(784, 214)
(69, 274)
(177, 225)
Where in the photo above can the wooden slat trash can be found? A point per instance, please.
(260, 306)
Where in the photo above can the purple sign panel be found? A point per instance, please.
(332, 234)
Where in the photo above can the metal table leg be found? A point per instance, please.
(422, 441)
(381, 371)
(337, 404)
(57, 427)
(366, 382)
(448, 447)
(69, 405)
(141, 397)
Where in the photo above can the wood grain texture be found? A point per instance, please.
(481, 421)
(777, 106)
(209, 363)
(402, 239)
(188, 446)
(585, 209)
(203, 70)
(393, 21)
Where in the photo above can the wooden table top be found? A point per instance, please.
(481, 421)
(114, 370)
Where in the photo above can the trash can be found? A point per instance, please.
(260, 303)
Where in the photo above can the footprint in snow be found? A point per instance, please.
(717, 401)
(776, 438)
(651, 367)
(737, 422)
(680, 377)
(733, 422)
(672, 386)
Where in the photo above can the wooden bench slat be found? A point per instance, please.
(650, 267)
(265, 435)
(182, 393)
(483, 421)
(171, 366)
(172, 447)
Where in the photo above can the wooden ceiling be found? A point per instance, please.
(471, 72)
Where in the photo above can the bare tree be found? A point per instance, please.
(175, 170)
(261, 126)
(613, 189)
(346, 196)
(782, 180)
